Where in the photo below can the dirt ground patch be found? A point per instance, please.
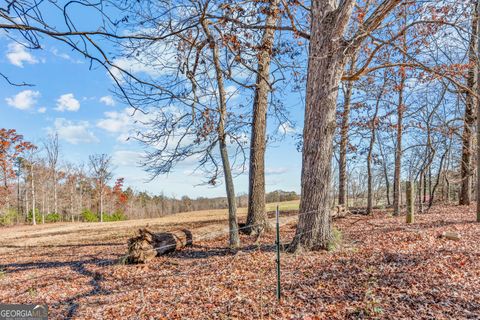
(384, 269)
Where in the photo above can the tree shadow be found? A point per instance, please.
(78, 266)
(109, 244)
(205, 252)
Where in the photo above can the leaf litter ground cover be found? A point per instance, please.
(383, 269)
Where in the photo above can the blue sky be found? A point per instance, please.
(76, 102)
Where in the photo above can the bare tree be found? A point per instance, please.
(52, 149)
(101, 168)
(257, 216)
(471, 105)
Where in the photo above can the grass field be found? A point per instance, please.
(199, 222)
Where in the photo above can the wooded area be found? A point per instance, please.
(39, 186)
(406, 74)
(390, 94)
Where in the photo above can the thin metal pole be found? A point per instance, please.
(278, 254)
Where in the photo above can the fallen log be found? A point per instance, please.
(148, 245)
(455, 236)
(340, 212)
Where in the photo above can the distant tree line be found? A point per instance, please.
(38, 187)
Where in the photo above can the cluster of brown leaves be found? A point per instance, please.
(384, 269)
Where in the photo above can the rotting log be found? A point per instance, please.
(455, 236)
(340, 212)
(148, 245)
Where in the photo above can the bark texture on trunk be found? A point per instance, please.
(325, 67)
(327, 58)
(147, 245)
(477, 90)
(469, 118)
(257, 215)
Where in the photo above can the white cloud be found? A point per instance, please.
(23, 100)
(108, 101)
(115, 122)
(74, 132)
(67, 102)
(42, 110)
(132, 66)
(286, 128)
(17, 54)
(123, 123)
(276, 171)
(127, 157)
(154, 61)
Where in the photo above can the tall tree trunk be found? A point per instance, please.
(369, 155)
(27, 209)
(101, 203)
(257, 215)
(398, 150)
(234, 239)
(326, 61)
(476, 16)
(397, 178)
(420, 183)
(469, 118)
(385, 171)
(34, 214)
(325, 67)
(345, 125)
(72, 192)
(55, 201)
(342, 167)
(425, 184)
(437, 180)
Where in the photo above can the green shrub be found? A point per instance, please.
(116, 216)
(52, 217)
(9, 217)
(38, 216)
(89, 216)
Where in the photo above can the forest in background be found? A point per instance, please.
(36, 179)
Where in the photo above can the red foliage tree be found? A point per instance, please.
(12, 146)
(121, 197)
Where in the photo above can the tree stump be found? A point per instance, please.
(148, 245)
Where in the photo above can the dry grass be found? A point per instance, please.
(199, 222)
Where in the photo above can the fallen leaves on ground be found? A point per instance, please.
(383, 269)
